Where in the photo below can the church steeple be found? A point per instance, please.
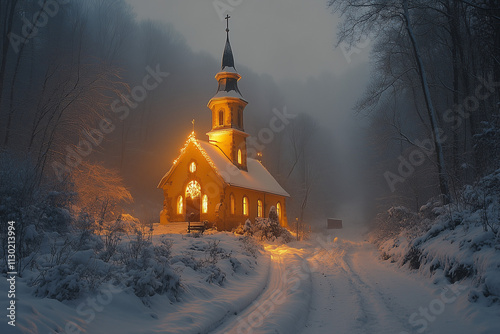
(227, 56)
(227, 110)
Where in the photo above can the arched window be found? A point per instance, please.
(231, 198)
(221, 117)
(180, 205)
(260, 209)
(192, 167)
(245, 205)
(239, 118)
(278, 210)
(240, 158)
(204, 204)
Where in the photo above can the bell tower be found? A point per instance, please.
(227, 111)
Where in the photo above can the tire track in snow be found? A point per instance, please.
(378, 316)
(344, 301)
(282, 306)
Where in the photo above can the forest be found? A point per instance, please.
(95, 105)
(93, 102)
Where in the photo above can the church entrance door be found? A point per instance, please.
(193, 201)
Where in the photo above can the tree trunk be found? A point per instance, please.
(10, 7)
(443, 179)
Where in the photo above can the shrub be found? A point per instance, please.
(266, 228)
(150, 274)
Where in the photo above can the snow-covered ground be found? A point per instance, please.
(354, 291)
(324, 285)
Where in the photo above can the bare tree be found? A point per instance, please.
(392, 17)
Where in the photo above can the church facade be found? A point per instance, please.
(216, 180)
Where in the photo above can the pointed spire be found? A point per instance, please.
(227, 57)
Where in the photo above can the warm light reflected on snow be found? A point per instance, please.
(283, 250)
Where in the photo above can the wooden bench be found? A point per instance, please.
(197, 226)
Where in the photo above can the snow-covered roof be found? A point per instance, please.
(257, 177)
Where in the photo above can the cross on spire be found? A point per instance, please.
(227, 22)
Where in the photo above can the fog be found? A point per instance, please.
(284, 50)
(286, 54)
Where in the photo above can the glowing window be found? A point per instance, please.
(221, 117)
(192, 167)
(260, 209)
(232, 203)
(180, 205)
(278, 209)
(245, 206)
(204, 204)
(193, 189)
(240, 160)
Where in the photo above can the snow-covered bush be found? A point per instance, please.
(266, 229)
(150, 274)
(484, 199)
(208, 259)
(214, 274)
(249, 245)
(31, 206)
(214, 253)
(400, 220)
(72, 268)
(457, 242)
(67, 273)
(487, 144)
(146, 268)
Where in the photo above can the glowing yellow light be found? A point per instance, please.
(278, 209)
(193, 189)
(180, 205)
(204, 204)
(192, 167)
(245, 206)
(260, 209)
(192, 139)
(232, 204)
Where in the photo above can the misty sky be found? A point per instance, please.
(289, 39)
(294, 42)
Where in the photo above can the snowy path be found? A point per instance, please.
(355, 292)
(324, 286)
(283, 304)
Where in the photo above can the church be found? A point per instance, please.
(216, 180)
